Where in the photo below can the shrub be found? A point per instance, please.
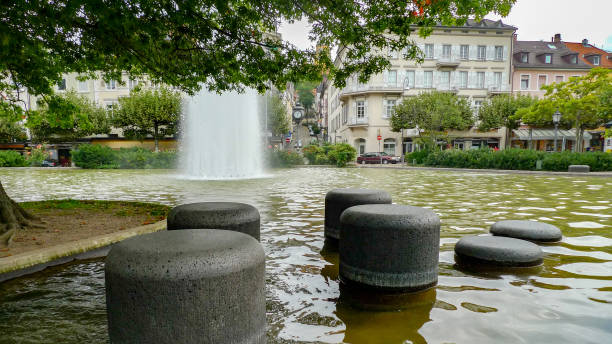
(94, 156)
(419, 156)
(12, 159)
(321, 159)
(281, 158)
(311, 151)
(341, 153)
(36, 157)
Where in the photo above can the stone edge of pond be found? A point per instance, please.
(34, 261)
(483, 170)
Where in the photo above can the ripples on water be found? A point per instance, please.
(567, 300)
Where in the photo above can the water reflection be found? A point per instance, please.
(567, 299)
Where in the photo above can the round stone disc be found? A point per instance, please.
(527, 230)
(495, 250)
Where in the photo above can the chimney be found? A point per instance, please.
(557, 38)
(585, 42)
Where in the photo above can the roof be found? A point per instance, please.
(483, 24)
(547, 134)
(536, 49)
(606, 57)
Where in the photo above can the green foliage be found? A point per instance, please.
(311, 152)
(10, 128)
(498, 111)
(148, 113)
(94, 156)
(67, 117)
(419, 156)
(281, 158)
(97, 156)
(278, 119)
(433, 112)
(10, 158)
(220, 45)
(37, 156)
(305, 90)
(517, 159)
(341, 153)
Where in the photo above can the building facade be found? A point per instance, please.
(472, 61)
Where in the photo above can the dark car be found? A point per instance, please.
(377, 158)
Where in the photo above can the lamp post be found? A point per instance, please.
(556, 117)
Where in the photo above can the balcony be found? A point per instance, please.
(358, 121)
(498, 89)
(448, 62)
(361, 89)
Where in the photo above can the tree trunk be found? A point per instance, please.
(156, 138)
(12, 218)
(577, 143)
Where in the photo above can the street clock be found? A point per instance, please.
(297, 113)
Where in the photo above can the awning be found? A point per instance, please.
(547, 134)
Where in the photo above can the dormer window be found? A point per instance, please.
(525, 57)
(548, 58)
(596, 60)
(573, 59)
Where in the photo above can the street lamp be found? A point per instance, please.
(556, 117)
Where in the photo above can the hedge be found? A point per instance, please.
(97, 156)
(12, 159)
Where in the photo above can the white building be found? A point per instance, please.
(473, 61)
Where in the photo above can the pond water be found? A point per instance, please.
(567, 300)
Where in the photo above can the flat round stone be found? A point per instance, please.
(495, 250)
(527, 230)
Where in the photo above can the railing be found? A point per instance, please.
(358, 120)
(359, 88)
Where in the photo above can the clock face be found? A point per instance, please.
(297, 114)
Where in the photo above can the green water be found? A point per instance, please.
(567, 300)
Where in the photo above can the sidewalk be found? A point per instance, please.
(450, 169)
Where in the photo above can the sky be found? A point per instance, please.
(535, 19)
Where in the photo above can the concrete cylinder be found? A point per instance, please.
(232, 216)
(188, 286)
(338, 200)
(389, 247)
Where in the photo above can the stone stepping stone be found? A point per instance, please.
(338, 200)
(238, 217)
(527, 230)
(496, 250)
(389, 247)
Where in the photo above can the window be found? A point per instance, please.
(480, 79)
(429, 51)
(428, 80)
(477, 105)
(524, 82)
(497, 80)
(499, 52)
(61, 85)
(548, 58)
(392, 77)
(559, 78)
(111, 85)
(389, 108)
(409, 82)
(133, 84)
(445, 80)
(542, 80)
(596, 60)
(482, 52)
(458, 144)
(574, 59)
(360, 109)
(83, 86)
(465, 52)
(463, 79)
(446, 51)
(389, 146)
(109, 104)
(525, 57)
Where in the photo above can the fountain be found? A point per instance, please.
(221, 136)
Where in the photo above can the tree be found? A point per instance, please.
(582, 102)
(277, 121)
(148, 113)
(305, 91)
(11, 129)
(219, 45)
(432, 113)
(67, 117)
(497, 112)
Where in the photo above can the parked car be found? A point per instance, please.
(377, 158)
(48, 163)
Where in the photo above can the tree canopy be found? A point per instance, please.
(582, 101)
(433, 113)
(277, 118)
(305, 90)
(220, 45)
(67, 117)
(497, 112)
(11, 129)
(148, 113)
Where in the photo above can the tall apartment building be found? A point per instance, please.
(472, 61)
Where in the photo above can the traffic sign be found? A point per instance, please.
(288, 140)
(379, 137)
